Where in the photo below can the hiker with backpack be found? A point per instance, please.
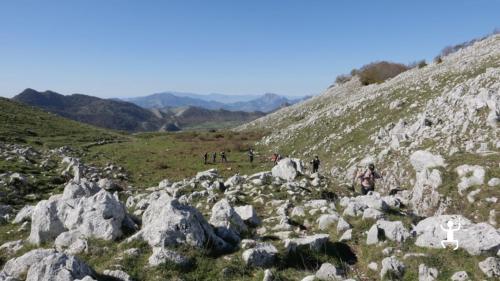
(315, 164)
(214, 157)
(368, 178)
(205, 158)
(223, 158)
(250, 155)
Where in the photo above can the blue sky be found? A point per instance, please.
(126, 48)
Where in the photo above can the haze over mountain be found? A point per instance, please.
(122, 115)
(265, 103)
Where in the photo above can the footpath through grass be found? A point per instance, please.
(152, 157)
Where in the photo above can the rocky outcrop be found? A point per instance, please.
(167, 222)
(476, 239)
(263, 255)
(227, 222)
(83, 207)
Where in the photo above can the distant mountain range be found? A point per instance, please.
(265, 103)
(126, 116)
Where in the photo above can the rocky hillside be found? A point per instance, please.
(450, 110)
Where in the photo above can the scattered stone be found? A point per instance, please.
(227, 222)
(460, 276)
(490, 267)
(326, 220)
(24, 214)
(427, 273)
(392, 267)
(268, 275)
(373, 266)
(494, 182)
(263, 255)
(328, 272)
(286, 169)
(347, 236)
(161, 255)
(476, 178)
(343, 225)
(248, 214)
(11, 247)
(314, 242)
(117, 274)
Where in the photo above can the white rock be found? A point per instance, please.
(494, 182)
(161, 255)
(210, 175)
(268, 275)
(117, 274)
(347, 236)
(490, 267)
(263, 255)
(309, 278)
(372, 236)
(24, 214)
(227, 222)
(392, 266)
(297, 212)
(286, 169)
(422, 159)
(476, 239)
(11, 247)
(460, 276)
(314, 242)
(326, 220)
(393, 230)
(248, 215)
(425, 197)
(167, 222)
(45, 264)
(371, 213)
(71, 242)
(84, 207)
(476, 178)
(328, 272)
(343, 225)
(427, 273)
(373, 266)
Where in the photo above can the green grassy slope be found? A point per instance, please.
(24, 124)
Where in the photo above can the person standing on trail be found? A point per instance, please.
(223, 158)
(214, 157)
(250, 155)
(315, 163)
(205, 158)
(368, 178)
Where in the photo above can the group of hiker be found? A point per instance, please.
(367, 177)
(223, 157)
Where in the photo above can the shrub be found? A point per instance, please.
(421, 64)
(341, 79)
(438, 59)
(378, 72)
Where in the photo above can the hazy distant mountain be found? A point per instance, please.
(264, 103)
(121, 115)
(162, 100)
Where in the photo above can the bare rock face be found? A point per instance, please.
(45, 264)
(84, 207)
(476, 239)
(167, 222)
(314, 242)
